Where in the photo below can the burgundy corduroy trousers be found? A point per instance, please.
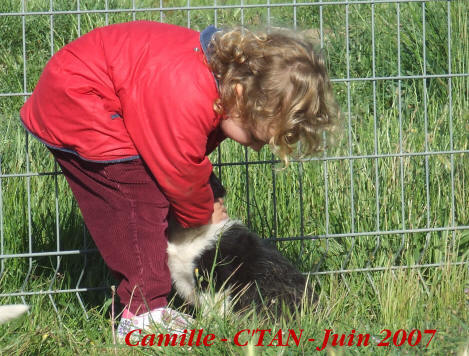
(126, 213)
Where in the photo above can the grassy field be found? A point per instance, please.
(373, 201)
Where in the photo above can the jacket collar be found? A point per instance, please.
(205, 38)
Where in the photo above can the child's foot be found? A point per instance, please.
(161, 319)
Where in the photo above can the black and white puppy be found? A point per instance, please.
(244, 270)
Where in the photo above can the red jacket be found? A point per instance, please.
(135, 89)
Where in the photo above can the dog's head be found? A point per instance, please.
(218, 189)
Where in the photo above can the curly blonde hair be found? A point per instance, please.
(285, 84)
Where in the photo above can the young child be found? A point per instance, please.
(131, 111)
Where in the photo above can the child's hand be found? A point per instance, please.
(219, 212)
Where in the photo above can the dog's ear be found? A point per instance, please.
(217, 188)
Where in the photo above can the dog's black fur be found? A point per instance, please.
(250, 267)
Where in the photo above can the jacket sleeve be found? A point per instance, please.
(169, 125)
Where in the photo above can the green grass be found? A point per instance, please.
(340, 309)
(319, 197)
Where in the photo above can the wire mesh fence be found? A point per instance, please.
(391, 194)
